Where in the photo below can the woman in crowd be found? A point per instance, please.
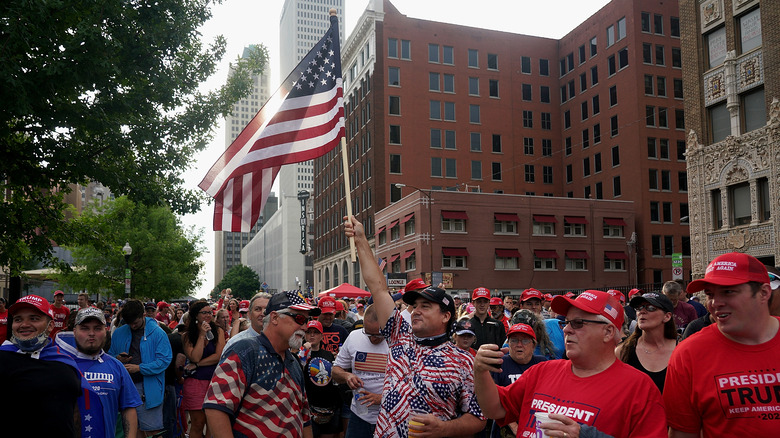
(176, 319)
(203, 346)
(544, 347)
(650, 346)
(223, 321)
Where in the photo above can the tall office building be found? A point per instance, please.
(227, 244)
(597, 114)
(732, 85)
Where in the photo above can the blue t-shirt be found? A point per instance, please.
(511, 370)
(555, 333)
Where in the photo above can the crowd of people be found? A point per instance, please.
(419, 362)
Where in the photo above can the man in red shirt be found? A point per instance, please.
(61, 313)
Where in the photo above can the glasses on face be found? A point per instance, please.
(299, 319)
(373, 335)
(524, 341)
(648, 307)
(577, 323)
(773, 277)
(205, 312)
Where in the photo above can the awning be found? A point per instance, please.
(407, 254)
(507, 253)
(407, 218)
(455, 252)
(507, 217)
(393, 223)
(380, 230)
(577, 254)
(545, 218)
(615, 255)
(614, 221)
(575, 220)
(545, 254)
(454, 215)
(393, 258)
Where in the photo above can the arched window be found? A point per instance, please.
(345, 272)
(327, 279)
(335, 275)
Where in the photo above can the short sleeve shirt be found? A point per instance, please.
(438, 379)
(263, 392)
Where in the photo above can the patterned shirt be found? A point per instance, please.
(263, 392)
(437, 379)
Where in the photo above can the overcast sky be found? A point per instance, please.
(244, 22)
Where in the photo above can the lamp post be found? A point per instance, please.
(127, 250)
(429, 237)
(632, 244)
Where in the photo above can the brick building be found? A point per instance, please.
(733, 147)
(436, 106)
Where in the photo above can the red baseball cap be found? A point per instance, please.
(731, 269)
(633, 292)
(59, 292)
(591, 301)
(163, 304)
(314, 324)
(548, 297)
(327, 305)
(339, 306)
(617, 294)
(531, 293)
(480, 292)
(33, 302)
(415, 284)
(568, 294)
(521, 328)
(243, 306)
(496, 301)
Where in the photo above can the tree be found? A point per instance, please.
(103, 91)
(164, 262)
(242, 280)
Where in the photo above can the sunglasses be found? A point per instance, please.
(577, 323)
(648, 307)
(373, 335)
(297, 317)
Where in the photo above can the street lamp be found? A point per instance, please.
(429, 237)
(127, 250)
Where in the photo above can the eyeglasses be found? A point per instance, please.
(648, 307)
(299, 319)
(577, 324)
(373, 335)
(205, 312)
(524, 341)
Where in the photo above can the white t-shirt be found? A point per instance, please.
(367, 361)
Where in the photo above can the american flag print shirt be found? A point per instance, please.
(438, 380)
(264, 393)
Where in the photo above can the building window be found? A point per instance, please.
(613, 125)
(681, 150)
(613, 227)
(434, 110)
(493, 90)
(614, 261)
(720, 124)
(739, 204)
(593, 47)
(585, 138)
(668, 245)
(394, 76)
(666, 209)
(581, 52)
(622, 59)
(586, 166)
(449, 83)
(449, 111)
(475, 142)
(526, 90)
(395, 163)
(525, 64)
(679, 119)
(543, 261)
(409, 227)
(546, 121)
(528, 146)
(583, 82)
(410, 263)
(473, 58)
(492, 61)
(649, 84)
(663, 121)
(528, 119)
(682, 180)
(436, 138)
(507, 259)
(750, 30)
(433, 53)
(621, 28)
(645, 21)
(659, 55)
(406, 49)
(395, 134)
(653, 178)
(501, 226)
(764, 207)
(474, 86)
(753, 112)
(655, 214)
(597, 162)
(476, 170)
(544, 67)
(584, 110)
(576, 261)
(655, 244)
(716, 46)
(574, 226)
(717, 209)
(597, 133)
(613, 95)
(544, 94)
(449, 139)
(676, 57)
(395, 106)
(567, 119)
(610, 35)
(451, 168)
(453, 261)
(529, 173)
(567, 146)
(546, 147)
(611, 66)
(453, 221)
(569, 174)
(436, 167)
(433, 82)
(547, 174)
(392, 48)
(661, 86)
(474, 114)
(395, 232)
(544, 225)
(658, 24)
(674, 27)
(496, 171)
(497, 143)
(647, 53)
(616, 187)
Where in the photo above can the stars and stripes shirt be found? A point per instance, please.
(439, 380)
(263, 393)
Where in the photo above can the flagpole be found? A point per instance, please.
(348, 194)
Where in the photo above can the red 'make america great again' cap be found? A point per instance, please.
(731, 269)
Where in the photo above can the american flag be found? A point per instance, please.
(370, 362)
(303, 120)
(381, 262)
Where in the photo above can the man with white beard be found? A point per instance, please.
(258, 375)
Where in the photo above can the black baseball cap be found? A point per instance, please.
(431, 293)
(658, 300)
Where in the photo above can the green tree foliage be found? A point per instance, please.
(242, 280)
(103, 91)
(164, 261)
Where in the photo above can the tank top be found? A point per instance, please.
(205, 373)
(657, 377)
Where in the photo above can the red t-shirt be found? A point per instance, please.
(620, 401)
(722, 387)
(60, 316)
(3, 326)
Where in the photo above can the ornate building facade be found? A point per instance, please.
(730, 77)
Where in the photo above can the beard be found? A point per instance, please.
(90, 351)
(296, 340)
